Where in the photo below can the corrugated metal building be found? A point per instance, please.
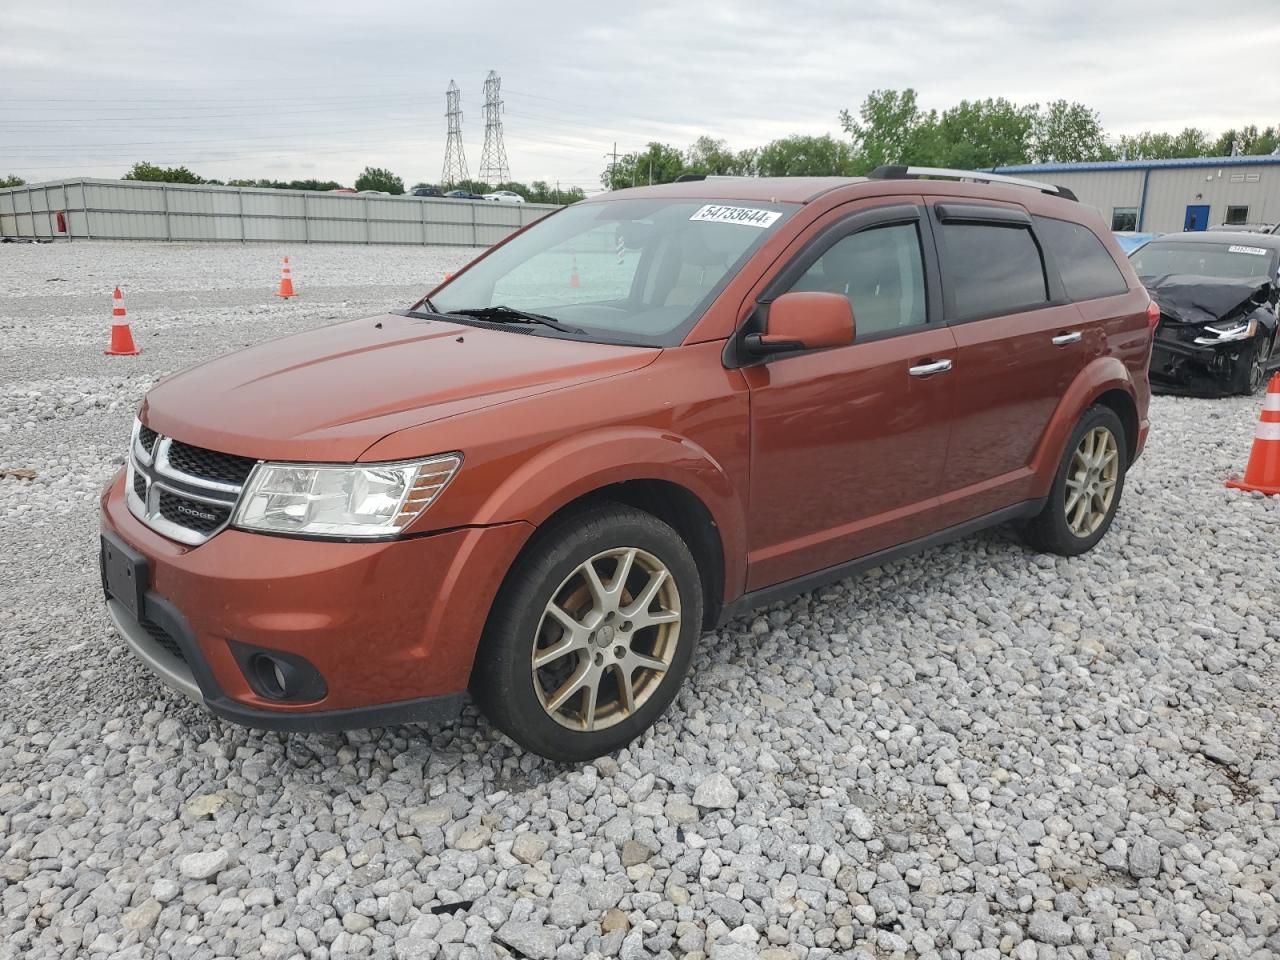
(85, 209)
(1167, 196)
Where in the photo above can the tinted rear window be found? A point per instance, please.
(992, 270)
(1087, 269)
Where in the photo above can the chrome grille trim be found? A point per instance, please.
(159, 475)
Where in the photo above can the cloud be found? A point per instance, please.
(321, 89)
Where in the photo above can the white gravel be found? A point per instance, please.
(975, 753)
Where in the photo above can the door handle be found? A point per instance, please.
(930, 367)
(1062, 339)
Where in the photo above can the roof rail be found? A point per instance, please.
(898, 172)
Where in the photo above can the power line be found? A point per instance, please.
(493, 158)
(455, 157)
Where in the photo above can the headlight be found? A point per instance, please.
(1242, 330)
(348, 500)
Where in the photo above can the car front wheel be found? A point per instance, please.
(1250, 373)
(592, 634)
(1086, 489)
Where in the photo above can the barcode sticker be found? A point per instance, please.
(1256, 251)
(747, 216)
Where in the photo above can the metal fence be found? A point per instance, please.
(135, 210)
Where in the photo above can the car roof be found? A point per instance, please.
(1223, 237)
(767, 189)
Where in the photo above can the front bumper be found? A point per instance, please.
(391, 627)
(1177, 364)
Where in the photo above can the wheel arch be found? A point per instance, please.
(1106, 381)
(663, 474)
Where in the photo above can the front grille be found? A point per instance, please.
(184, 492)
(194, 515)
(161, 636)
(209, 464)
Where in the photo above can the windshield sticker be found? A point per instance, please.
(748, 216)
(1256, 251)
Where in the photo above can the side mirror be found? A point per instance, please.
(804, 320)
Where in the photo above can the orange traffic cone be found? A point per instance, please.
(286, 281)
(573, 275)
(1263, 472)
(122, 344)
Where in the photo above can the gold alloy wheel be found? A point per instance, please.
(1091, 481)
(606, 639)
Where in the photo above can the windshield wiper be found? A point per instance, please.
(500, 313)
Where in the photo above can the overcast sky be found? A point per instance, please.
(283, 89)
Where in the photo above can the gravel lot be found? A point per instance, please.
(975, 753)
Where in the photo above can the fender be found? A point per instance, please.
(616, 454)
(1098, 377)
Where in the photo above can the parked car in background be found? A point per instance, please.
(463, 195)
(341, 190)
(505, 196)
(546, 491)
(1219, 297)
(372, 193)
(1130, 240)
(426, 192)
(1244, 228)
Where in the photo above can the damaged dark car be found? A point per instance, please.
(1219, 300)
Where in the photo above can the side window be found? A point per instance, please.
(881, 271)
(992, 269)
(1087, 269)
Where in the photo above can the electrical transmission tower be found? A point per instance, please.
(455, 158)
(493, 159)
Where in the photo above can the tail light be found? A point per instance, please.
(1153, 315)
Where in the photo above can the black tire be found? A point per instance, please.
(1049, 531)
(1250, 373)
(502, 681)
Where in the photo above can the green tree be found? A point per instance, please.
(1250, 140)
(891, 128)
(981, 134)
(803, 156)
(377, 178)
(1191, 142)
(747, 161)
(150, 172)
(713, 157)
(659, 163)
(1067, 133)
(11, 181)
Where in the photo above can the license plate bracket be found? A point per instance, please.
(125, 574)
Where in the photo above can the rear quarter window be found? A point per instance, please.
(991, 269)
(1087, 270)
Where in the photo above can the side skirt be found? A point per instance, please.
(828, 575)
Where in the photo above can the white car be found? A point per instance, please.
(505, 196)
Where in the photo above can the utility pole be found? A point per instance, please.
(455, 158)
(608, 173)
(493, 159)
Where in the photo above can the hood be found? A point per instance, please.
(1191, 299)
(329, 394)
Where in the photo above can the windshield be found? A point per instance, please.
(1235, 261)
(638, 271)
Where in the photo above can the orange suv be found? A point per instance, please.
(635, 419)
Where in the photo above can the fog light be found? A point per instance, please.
(278, 674)
(272, 676)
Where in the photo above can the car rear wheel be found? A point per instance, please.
(592, 634)
(1086, 489)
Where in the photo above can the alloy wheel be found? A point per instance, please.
(606, 639)
(1091, 481)
(1258, 368)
